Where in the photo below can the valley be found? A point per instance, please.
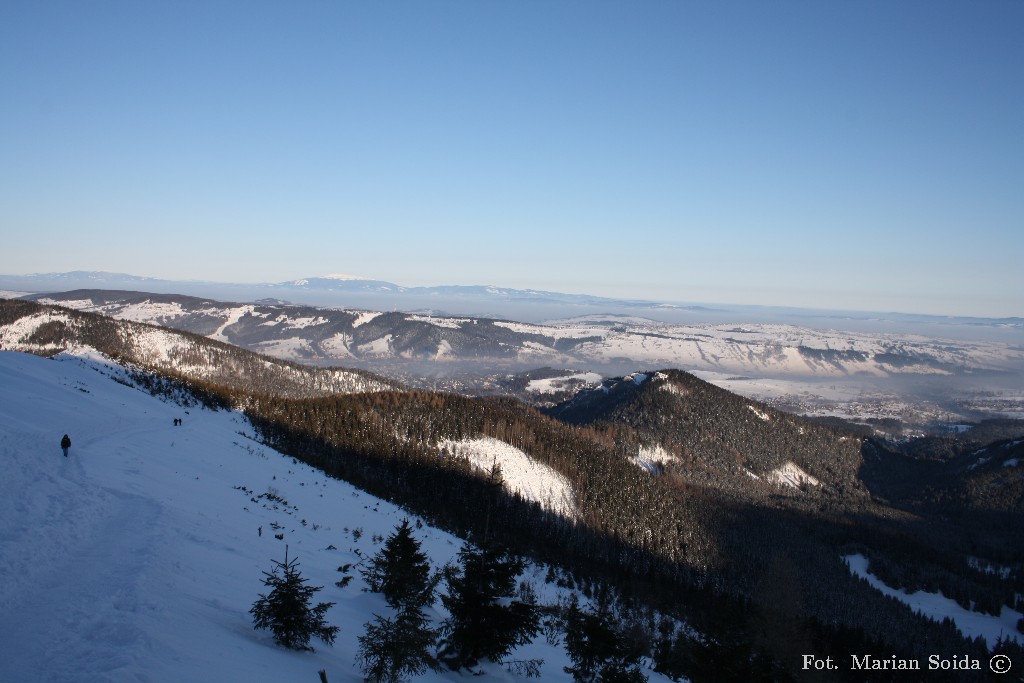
(724, 515)
(909, 383)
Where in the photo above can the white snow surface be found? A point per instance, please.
(761, 414)
(234, 315)
(791, 474)
(532, 480)
(144, 312)
(649, 459)
(937, 607)
(551, 385)
(377, 347)
(11, 335)
(342, 276)
(337, 345)
(303, 322)
(449, 323)
(364, 317)
(763, 350)
(293, 348)
(555, 331)
(137, 558)
(171, 350)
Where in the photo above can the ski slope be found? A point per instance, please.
(138, 557)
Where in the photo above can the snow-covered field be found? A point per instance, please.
(521, 474)
(792, 475)
(552, 385)
(138, 557)
(937, 607)
(449, 323)
(652, 460)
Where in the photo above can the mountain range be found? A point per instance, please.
(757, 533)
(524, 305)
(813, 370)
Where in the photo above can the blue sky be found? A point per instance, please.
(852, 155)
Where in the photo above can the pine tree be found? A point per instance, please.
(286, 610)
(401, 571)
(391, 650)
(485, 622)
(598, 651)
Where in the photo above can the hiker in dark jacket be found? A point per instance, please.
(65, 443)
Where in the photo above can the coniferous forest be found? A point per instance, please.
(710, 537)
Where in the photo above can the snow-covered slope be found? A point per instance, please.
(936, 606)
(520, 473)
(138, 557)
(49, 330)
(759, 349)
(792, 475)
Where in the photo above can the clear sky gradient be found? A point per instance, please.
(854, 155)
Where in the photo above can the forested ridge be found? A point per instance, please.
(755, 567)
(48, 330)
(683, 548)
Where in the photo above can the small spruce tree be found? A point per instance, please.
(286, 609)
(485, 622)
(597, 649)
(401, 571)
(391, 650)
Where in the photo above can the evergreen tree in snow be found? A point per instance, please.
(485, 622)
(286, 609)
(401, 571)
(597, 649)
(393, 649)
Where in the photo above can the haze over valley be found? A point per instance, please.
(904, 381)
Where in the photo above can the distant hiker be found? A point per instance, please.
(65, 444)
(261, 532)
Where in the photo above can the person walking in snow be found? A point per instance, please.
(65, 444)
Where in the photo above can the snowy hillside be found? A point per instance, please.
(304, 333)
(46, 330)
(938, 607)
(851, 373)
(520, 473)
(138, 557)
